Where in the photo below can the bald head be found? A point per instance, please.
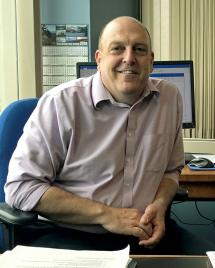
(123, 20)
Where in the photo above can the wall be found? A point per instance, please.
(102, 11)
(8, 54)
(199, 146)
(17, 51)
(65, 11)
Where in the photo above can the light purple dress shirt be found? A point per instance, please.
(80, 139)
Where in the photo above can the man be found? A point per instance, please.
(101, 156)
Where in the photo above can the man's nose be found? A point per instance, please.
(129, 56)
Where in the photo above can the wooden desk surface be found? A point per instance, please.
(200, 184)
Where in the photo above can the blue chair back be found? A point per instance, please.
(12, 121)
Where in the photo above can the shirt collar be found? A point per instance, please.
(99, 93)
(151, 89)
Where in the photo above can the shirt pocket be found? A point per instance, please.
(155, 152)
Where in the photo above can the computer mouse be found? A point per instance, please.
(201, 162)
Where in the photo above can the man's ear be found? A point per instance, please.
(98, 56)
(152, 60)
(152, 55)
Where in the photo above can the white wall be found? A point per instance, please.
(8, 53)
(199, 146)
(17, 51)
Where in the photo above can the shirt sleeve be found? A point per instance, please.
(38, 156)
(176, 161)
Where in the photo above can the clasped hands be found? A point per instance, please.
(148, 227)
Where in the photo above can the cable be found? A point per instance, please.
(212, 221)
(188, 223)
(201, 215)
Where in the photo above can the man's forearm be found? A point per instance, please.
(166, 192)
(62, 206)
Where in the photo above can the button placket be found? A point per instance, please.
(129, 158)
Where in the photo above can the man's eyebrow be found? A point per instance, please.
(141, 44)
(135, 44)
(116, 43)
(144, 45)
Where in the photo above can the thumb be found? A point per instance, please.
(147, 216)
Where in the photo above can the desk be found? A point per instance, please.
(171, 261)
(200, 184)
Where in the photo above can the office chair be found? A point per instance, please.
(12, 120)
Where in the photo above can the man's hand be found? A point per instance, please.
(155, 212)
(155, 216)
(126, 221)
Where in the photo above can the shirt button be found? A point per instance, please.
(127, 161)
(130, 133)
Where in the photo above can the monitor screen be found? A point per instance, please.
(178, 72)
(181, 74)
(84, 69)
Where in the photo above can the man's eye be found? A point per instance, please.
(141, 50)
(116, 50)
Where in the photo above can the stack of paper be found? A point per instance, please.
(211, 256)
(29, 257)
(208, 156)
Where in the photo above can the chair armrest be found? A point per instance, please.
(13, 216)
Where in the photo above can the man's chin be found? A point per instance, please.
(130, 89)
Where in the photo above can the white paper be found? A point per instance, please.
(211, 256)
(208, 156)
(37, 257)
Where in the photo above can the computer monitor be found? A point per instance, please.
(85, 69)
(181, 74)
(178, 72)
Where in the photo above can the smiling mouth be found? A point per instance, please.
(127, 72)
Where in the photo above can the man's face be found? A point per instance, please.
(125, 59)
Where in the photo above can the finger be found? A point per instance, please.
(153, 240)
(147, 228)
(147, 216)
(148, 243)
(149, 246)
(140, 233)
